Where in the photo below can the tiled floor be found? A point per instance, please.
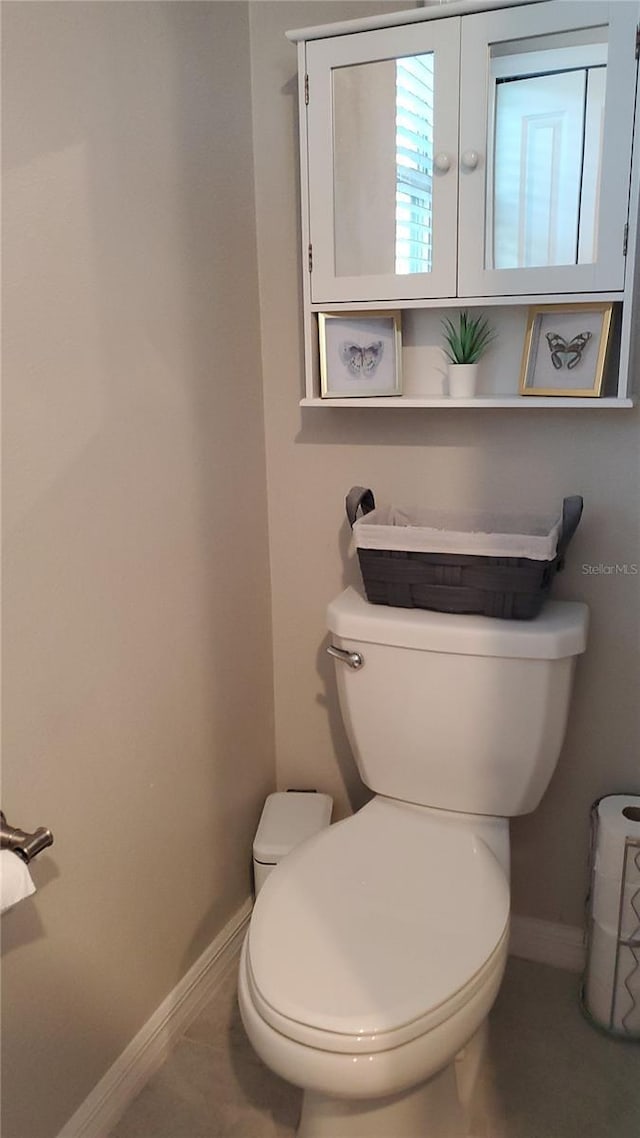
(548, 1074)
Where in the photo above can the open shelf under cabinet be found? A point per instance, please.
(493, 402)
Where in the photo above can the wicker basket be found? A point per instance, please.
(484, 564)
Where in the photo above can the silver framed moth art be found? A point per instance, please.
(565, 349)
(360, 354)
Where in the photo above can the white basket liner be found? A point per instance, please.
(476, 533)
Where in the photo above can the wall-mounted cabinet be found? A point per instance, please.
(454, 156)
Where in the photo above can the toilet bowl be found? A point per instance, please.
(376, 948)
(374, 954)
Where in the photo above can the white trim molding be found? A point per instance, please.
(546, 942)
(432, 10)
(146, 1052)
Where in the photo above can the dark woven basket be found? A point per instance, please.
(511, 588)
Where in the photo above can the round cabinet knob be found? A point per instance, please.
(470, 159)
(442, 162)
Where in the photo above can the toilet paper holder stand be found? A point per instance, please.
(25, 845)
(631, 852)
(632, 943)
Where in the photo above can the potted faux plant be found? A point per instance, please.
(466, 340)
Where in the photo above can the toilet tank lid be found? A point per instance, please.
(559, 630)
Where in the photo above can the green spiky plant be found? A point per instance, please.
(468, 339)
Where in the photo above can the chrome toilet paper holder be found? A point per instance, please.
(25, 845)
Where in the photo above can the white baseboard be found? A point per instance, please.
(98, 1114)
(548, 943)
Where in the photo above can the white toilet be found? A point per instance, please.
(376, 948)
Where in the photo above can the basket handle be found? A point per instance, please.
(571, 514)
(359, 498)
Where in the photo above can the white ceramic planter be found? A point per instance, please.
(463, 379)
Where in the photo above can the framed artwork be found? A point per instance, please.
(360, 354)
(565, 349)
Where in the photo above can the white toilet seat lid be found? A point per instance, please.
(377, 921)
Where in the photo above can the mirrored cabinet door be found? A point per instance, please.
(382, 121)
(546, 123)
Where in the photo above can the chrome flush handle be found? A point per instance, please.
(353, 659)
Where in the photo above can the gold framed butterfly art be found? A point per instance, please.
(565, 349)
(360, 354)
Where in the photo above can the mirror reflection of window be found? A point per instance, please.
(548, 109)
(414, 163)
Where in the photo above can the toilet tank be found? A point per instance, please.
(461, 713)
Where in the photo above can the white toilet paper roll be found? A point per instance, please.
(618, 817)
(607, 989)
(608, 907)
(15, 880)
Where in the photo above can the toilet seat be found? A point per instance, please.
(376, 930)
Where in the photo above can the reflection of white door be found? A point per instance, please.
(545, 177)
(537, 171)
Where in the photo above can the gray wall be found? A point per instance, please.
(482, 458)
(137, 725)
